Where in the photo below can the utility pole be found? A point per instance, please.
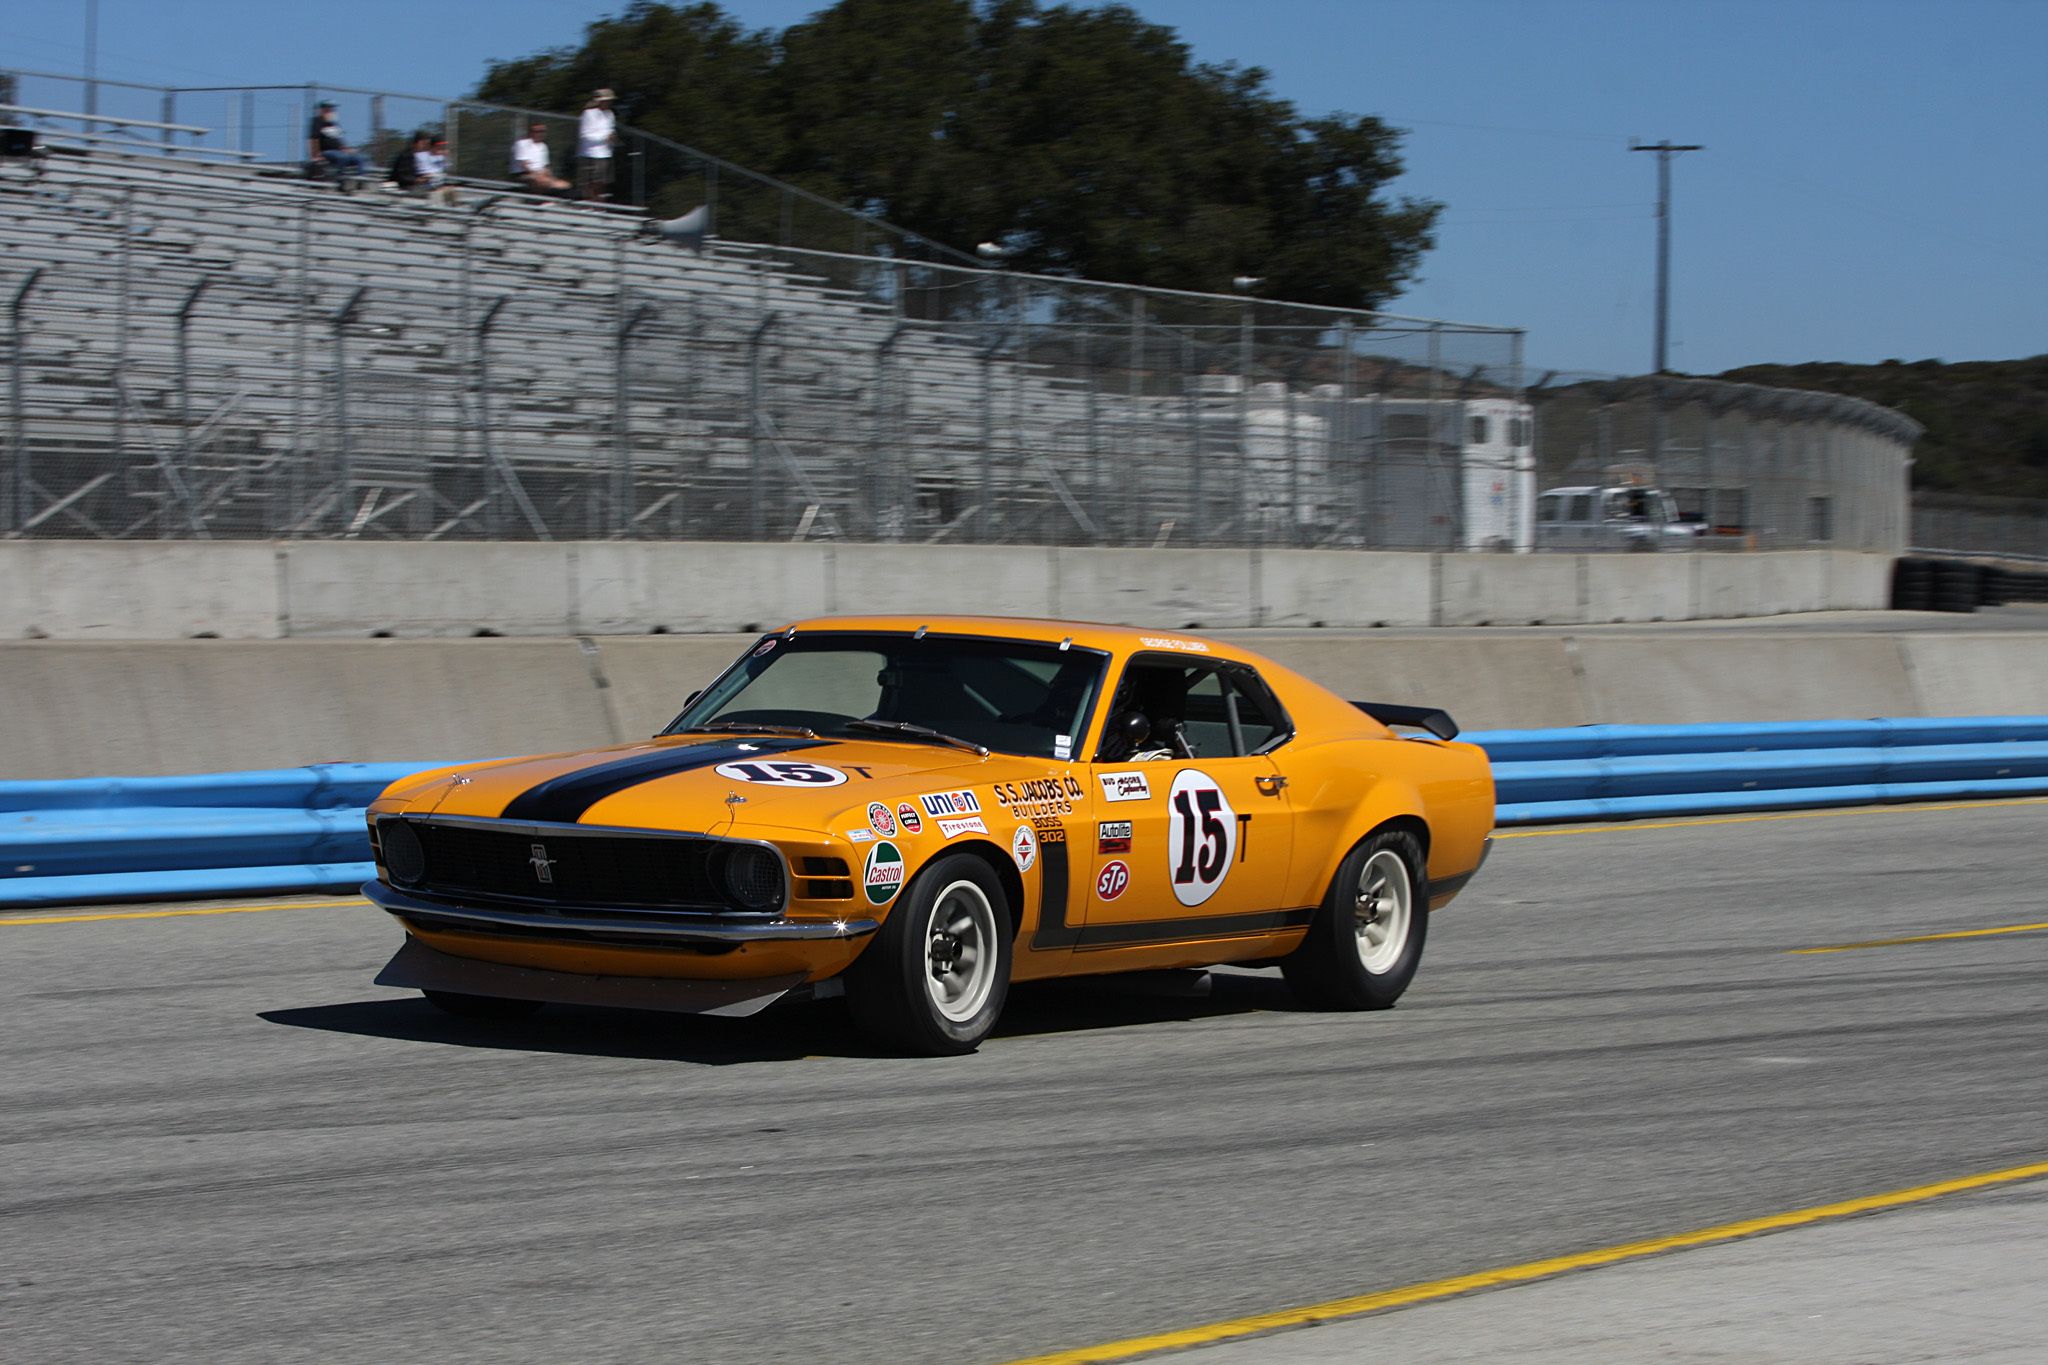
(1665, 150)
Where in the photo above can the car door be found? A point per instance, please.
(1193, 842)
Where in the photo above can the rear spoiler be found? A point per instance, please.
(1438, 723)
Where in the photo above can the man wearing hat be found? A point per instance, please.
(596, 132)
(325, 142)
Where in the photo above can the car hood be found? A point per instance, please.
(715, 783)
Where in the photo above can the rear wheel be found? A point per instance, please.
(480, 1006)
(935, 977)
(1365, 942)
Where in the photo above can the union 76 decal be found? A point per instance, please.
(1201, 836)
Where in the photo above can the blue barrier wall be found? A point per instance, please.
(301, 829)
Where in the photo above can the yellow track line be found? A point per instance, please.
(1920, 938)
(1632, 826)
(172, 914)
(1517, 1274)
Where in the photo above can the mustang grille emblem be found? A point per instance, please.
(543, 865)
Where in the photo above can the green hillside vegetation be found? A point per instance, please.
(1086, 141)
(1986, 420)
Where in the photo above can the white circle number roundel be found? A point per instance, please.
(1201, 838)
(781, 773)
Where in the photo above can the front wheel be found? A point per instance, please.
(935, 977)
(1365, 942)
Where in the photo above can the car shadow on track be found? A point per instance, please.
(795, 1031)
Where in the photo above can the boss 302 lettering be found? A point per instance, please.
(896, 809)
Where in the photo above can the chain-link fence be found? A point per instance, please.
(1746, 467)
(201, 347)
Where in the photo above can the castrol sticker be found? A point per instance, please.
(1024, 848)
(1113, 880)
(781, 773)
(881, 876)
(881, 819)
(962, 824)
(907, 816)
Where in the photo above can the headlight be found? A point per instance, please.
(753, 875)
(404, 859)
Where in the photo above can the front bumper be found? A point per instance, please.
(587, 924)
(419, 967)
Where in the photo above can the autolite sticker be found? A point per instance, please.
(1112, 836)
(950, 803)
(880, 819)
(962, 824)
(882, 875)
(907, 816)
(1125, 787)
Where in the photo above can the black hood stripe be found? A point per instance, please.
(562, 800)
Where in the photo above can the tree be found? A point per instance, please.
(1085, 140)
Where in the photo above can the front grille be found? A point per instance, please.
(625, 870)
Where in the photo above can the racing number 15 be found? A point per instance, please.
(1204, 837)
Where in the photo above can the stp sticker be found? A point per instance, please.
(1112, 880)
(882, 875)
(1201, 836)
(880, 819)
(1125, 787)
(782, 773)
(962, 824)
(907, 816)
(950, 803)
(860, 836)
(1113, 836)
(1024, 848)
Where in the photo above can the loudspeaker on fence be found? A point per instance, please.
(690, 230)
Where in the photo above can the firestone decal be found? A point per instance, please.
(1113, 880)
(962, 824)
(782, 773)
(1201, 837)
(880, 819)
(950, 803)
(881, 877)
(907, 816)
(1167, 642)
(1024, 848)
(1125, 787)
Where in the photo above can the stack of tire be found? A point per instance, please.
(1953, 585)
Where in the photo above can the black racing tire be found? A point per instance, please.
(1341, 963)
(934, 979)
(480, 1006)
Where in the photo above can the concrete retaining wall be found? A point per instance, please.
(82, 709)
(251, 590)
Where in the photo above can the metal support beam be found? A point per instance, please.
(18, 512)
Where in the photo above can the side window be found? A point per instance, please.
(1260, 722)
(1480, 431)
(1207, 717)
(1546, 507)
(1582, 507)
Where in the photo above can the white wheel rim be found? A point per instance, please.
(960, 952)
(1383, 906)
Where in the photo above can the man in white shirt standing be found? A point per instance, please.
(596, 133)
(530, 162)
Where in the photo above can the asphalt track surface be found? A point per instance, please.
(220, 1142)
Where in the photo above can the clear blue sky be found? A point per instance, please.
(1873, 184)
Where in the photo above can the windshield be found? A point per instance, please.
(1009, 695)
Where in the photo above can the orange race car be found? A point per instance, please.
(918, 811)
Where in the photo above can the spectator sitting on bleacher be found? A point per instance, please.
(530, 162)
(327, 146)
(420, 170)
